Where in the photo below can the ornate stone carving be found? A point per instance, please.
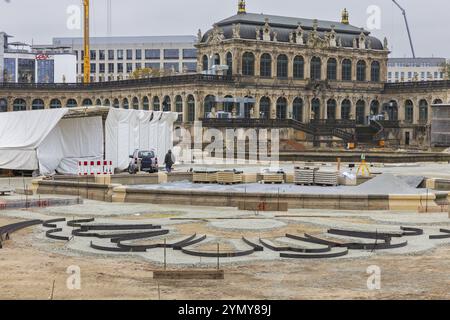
(299, 33)
(266, 31)
(385, 44)
(236, 31)
(216, 35)
(362, 40)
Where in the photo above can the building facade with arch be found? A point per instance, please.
(294, 68)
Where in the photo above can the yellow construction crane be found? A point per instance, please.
(87, 51)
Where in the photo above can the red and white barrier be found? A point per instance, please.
(94, 168)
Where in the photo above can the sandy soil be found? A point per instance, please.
(28, 273)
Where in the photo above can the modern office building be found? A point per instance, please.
(415, 69)
(116, 58)
(23, 63)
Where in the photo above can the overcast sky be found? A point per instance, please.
(41, 20)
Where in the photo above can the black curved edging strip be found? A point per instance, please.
(52, 223)
(365, 234)
(50, 234)
(112, 249)
(358, 246)
(293, 249)
(77, 223)
(154, 246)
(315, 255)
(5, 231)
(410, 232)
(254, 245)
(119, 236)
(220, 254)
(119, 227)
(190, 243)
(445, 235)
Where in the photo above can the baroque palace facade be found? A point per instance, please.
(307, 71)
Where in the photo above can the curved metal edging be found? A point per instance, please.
(408, 231)
(445, 235)
(77, 223)
(156, 245)
(51, 223)
(233, 254)
(112, 249)
(50, 234)
(119, 227)
(315, 255)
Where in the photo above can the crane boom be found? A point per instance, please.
(87, 52)
(407, 27)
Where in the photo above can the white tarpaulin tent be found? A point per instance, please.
(41, 139)
(128, 130)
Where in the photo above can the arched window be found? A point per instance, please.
(299, 67)
(297, 109)
(179, 107)
(19, 105)
(191, 108)
(205, 63)
(217, 59)
(360, 112)
(331, 109)
(248, 64)
(37, 104)
(375, 71)
(146, 103)
(156, 105)
(210, 103)
(361, 70)
(316, 68)
(281, 108)
(409, 111)
(229, 64)
(346, 70)
(248, 106)
(266, 65)
(228, 106)
(264, 108)
(282, 66)
(332, 69)
(135, 103)
(315, 108)
(392, 110)
(71, 103)
(116, 103)
(125, 103)
(107, 103)
(423, 111)
(87, 102)
(98, 102)
(374, 108)
(3, 105)
(346, 107)
(55, 104)
(167, 104)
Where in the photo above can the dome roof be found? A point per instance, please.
(284, 26)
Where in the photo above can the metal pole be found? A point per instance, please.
(218, 258)
(165, 254)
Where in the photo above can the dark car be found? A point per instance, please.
(145, 161)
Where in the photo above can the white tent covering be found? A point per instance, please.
(40, 139)
(128, 130)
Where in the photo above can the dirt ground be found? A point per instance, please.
(28, 272)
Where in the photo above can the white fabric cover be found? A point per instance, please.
(72, 140)
(127, 130)
(21, 133)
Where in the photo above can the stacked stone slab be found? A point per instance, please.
(326, 177)
(304, 175)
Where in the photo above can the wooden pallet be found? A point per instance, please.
(229, 177)
(204, 177)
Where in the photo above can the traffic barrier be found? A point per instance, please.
(94, 168)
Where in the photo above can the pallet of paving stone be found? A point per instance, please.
(304, 175)
(204, 177)
(273, 178)
(326, 177)
(229, 177)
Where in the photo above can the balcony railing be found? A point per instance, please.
(156, 81)
(440, 84)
